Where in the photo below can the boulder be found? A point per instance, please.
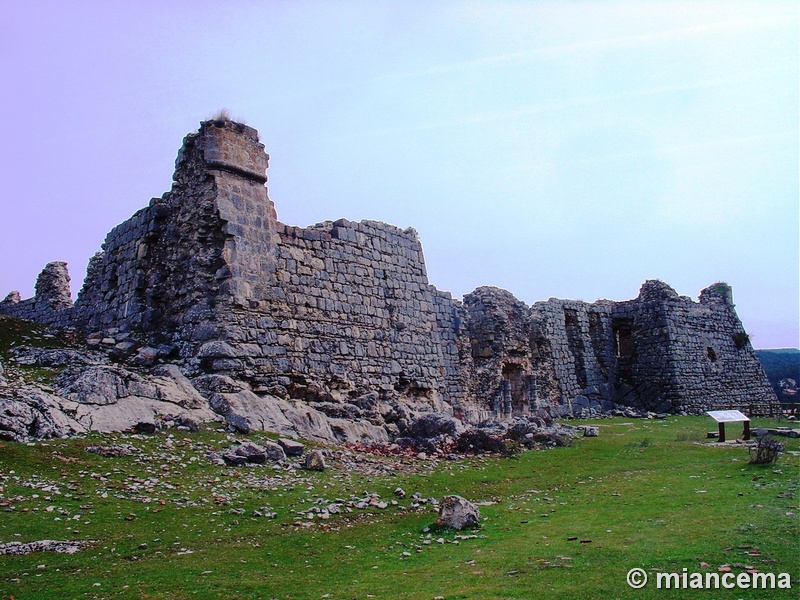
(253, 453)
(431, 425)
(358, 432)
(234, 460)
(97, 385)
(291, 447)
(458, 513)
(274, 452)
(315, 461)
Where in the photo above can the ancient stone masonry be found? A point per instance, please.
(342, 314)
(351, 312)
(52, 303)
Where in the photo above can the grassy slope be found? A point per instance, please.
(648, 494)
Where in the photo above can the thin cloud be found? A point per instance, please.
(597, 46)
(529, 110)
(671, 149)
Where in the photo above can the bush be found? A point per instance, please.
(765, 451)
(741, 339)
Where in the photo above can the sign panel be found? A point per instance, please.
(727, 416)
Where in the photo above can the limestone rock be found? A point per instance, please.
(315, 460)
(97, 385)
(232, 459)
(291, 447)
(354, 432)
(435, 424)
(259, 454)
(115, 450)
(55, 357)
(176, 388)
(22, 548)
(458, 513)
(274, 452)
(28, 413)
(253, 453)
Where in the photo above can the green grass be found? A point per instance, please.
(167, 523)
(16, 332)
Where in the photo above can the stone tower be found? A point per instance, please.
(206, 243)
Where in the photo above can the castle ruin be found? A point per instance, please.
(207, 277)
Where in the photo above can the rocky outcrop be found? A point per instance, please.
(90, 393)
(60, 547)
(28, 413)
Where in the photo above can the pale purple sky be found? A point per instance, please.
(555, 149)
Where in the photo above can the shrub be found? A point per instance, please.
(511, 448)
(741, 339)
(222, 115)
(765, 451)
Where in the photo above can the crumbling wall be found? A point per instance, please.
(340, 310)
(690, 355)
(172, 269)
(501, 369)
(52, 301)
(580, 340)
(351, 312)
(659, 352)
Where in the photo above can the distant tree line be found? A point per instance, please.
(783, 371)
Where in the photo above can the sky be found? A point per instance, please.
(555, 149)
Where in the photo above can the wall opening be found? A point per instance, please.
(624, 346)
(575, 342)
(517, 390)
(624, 343)
(597, 336)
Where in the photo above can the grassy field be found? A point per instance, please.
(563, 523)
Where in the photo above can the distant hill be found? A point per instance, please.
(779, 366)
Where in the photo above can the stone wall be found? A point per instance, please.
(351, 312)
(340, 310)
(691, 355)
(580, 343)
(52, 301)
